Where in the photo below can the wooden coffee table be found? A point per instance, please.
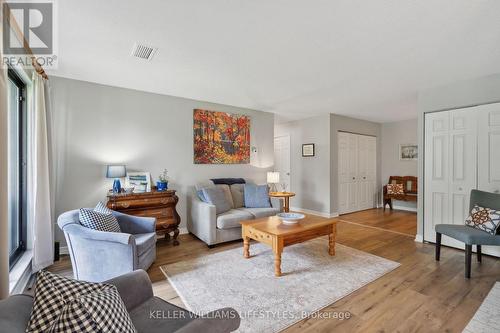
(271, 231)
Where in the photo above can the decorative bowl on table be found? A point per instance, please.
(290, 218)
(128, 190)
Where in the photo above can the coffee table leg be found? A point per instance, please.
(277, 264)
(246, 247)
(331, 241)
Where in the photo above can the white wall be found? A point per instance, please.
(95, 125)
(393, 134)
(358, 126)
(309, 176)
(482, 90)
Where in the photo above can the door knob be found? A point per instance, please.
(460, 189)
(353, 177)
(364, 177)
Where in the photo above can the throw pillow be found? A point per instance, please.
(217, 197)
(228, 181)
(485, 219)
(98, 221)
(397, 189)
(237, 191)
(65, 305)
(227, 193)
(256, 196)
(101, 208)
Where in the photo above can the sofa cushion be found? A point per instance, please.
(217, 197)
(15, 313)
(227, 193)
(261, 212)
(144, 241)
(232, 218)
(257, 196)
(237, 192)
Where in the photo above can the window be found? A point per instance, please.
(17, 137)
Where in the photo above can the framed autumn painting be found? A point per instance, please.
(220, 137)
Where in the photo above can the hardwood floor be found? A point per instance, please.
(422, 295)
(396, 220)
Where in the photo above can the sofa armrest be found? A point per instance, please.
(277, 203)
(202, 220)
(219, 321)
(134, 288)
(135, 224)
(76, 230)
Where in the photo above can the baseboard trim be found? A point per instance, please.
(314, 212)
(408, 209)
(419, 238)
(64, 249)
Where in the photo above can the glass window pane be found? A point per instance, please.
(13, 180)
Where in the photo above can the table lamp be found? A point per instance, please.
(273, 178)
(116, 172)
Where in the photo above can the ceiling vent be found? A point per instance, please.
(143, 51)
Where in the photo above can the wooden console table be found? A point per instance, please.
(161, 205)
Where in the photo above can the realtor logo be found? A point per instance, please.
(28, 32)
(34, 21)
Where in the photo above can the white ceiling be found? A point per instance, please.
(297, 58)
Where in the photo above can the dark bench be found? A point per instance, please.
(410, 187)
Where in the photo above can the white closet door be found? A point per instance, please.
(353, 198)
(436, 172)
(371, 173)
(463, 166)
(282, 160)
(489, 148)
(344, 175)
(363, 166)
(357, 172)
(488, 154)
(450, 169)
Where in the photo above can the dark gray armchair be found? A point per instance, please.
(468, 235)
(98, 255)
(149, 314)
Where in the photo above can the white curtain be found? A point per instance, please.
(39, 193)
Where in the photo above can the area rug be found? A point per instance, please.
(311, 280)
(486, 318)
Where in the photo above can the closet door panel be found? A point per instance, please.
(344, 174)
(463, 158)
(489, 155)
(489, 148)
(353, 199)
(436, 198)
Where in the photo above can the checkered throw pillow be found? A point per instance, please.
(395, 189)
(99, 219)
(101, 208)
(66, 305)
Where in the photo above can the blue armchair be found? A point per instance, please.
(98, 256)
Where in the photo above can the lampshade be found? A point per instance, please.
(116, 171)
(273, 177)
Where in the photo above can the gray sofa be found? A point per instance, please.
(213, 229)
(148, 313)
(97, 255)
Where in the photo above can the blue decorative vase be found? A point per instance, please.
(117, 186)
(161, 186)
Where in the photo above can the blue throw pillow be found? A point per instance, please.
(201, 195)
(256, 196)
(217, 197)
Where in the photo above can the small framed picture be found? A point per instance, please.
(308, 150)
(408, 152)
(140, 181)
